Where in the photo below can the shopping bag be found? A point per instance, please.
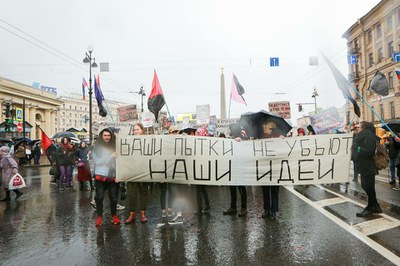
(16, 182)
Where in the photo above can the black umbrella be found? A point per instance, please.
(252, 122)
(394, 125)
(19, 142)
(16, 139)
(65, 134)
(4, 140)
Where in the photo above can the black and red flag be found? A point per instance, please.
(343, 85)
(156, 99)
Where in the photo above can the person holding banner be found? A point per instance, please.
(365, 146)
(104, 156)
(137, 188)
(201, 192)
(9, 168)
(270, 193)
(242, 189)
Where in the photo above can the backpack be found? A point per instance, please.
(381, 157)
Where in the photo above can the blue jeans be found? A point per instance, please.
(392, 167)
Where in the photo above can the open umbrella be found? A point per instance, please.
(252, 122)
(65, 134)
(4, 140)
(394, 125)
(19, 142)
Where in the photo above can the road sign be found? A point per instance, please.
(19, 127)
(18, 114)
(352, 59)
(274, 61)
(396, 57)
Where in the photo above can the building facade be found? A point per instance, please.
(374, 41)
(74, 113)
(40, 108)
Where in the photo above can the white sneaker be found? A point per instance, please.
(163, 214)
(120, 207)
(93, 203)
(178, 219)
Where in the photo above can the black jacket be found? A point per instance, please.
(365, 145)
(393, 147)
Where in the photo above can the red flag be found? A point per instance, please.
(46, 141)
(156, 99)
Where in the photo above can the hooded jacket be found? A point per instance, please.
(102, 151)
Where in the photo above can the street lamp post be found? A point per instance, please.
(315, 95)
(142, 93)
(88, 59)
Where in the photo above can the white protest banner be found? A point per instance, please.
(202, 114)
(218, 161)
(326, 121)
(124, 127)
(147, 119)
(282, 108)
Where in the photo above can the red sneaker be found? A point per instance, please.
(99, 221)
(115, 220)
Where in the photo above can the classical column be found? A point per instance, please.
(32, 121)
(53, 122)
(47, 122)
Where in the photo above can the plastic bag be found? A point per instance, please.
(16, 182)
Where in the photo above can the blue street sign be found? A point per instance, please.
(396, 57)
(274, 61)
(352, 59)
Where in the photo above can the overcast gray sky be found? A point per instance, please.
(187, 42)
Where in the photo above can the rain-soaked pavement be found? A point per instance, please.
(49, 227)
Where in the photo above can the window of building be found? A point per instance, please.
(389, 22)
(63, 113)
(76, 107)
(380, 54)
(378, 30)
(76, 115)
(70, 107)
(382, 112)
(390, 80)
(70, 114)
(371, 59)
(390, 49)
(369, 36)
(80, 107)
(392, 111)
(356, 45)
(63, 122)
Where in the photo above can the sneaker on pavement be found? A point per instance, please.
(120, 207)
(178, 219)
(243, 212)
(163, 214)
(365, 213)
(115, 220)
(230, 211)
(93, 203)
(207, 209)
(170, 213)
(99, 221)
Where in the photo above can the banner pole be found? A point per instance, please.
(372, 109)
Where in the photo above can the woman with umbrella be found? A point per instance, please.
(270, 193)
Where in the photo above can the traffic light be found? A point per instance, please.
(8, 124)
(300, 107)
(7, 110)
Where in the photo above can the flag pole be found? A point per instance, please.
(372, 109)
(230, 101)
(354, 116)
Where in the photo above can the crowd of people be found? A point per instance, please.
(65, 156)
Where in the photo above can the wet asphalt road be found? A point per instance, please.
(49, 227)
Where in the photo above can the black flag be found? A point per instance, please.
(156, 99)
(343, 85)
(379, 84)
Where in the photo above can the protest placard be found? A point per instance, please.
(220, 161)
